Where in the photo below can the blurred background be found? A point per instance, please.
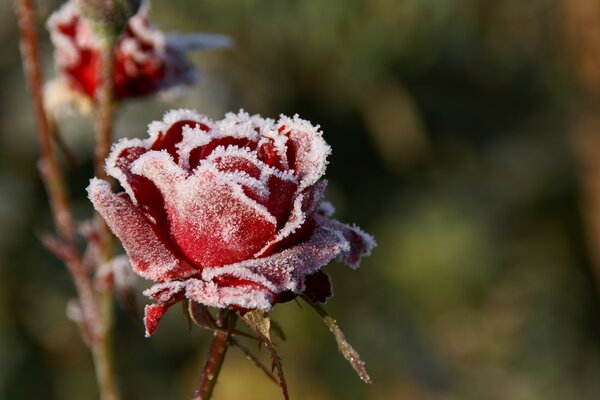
(465, 137)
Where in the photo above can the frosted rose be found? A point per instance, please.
(146, 62)
(228, 213)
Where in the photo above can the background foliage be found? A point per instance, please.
(465, 139)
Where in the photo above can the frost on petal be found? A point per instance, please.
(299, 225)
(150, 258)
(360, 243)
(246, 296)
(307, 151)
(241, 295)
(287, 269)
(211, 220)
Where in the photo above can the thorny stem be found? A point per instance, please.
(218, 350)
(49, 168)
(103, 136)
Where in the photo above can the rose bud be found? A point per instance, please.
(146, 61)
(228, 214)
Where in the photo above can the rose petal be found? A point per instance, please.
(360, 243)
(149, 256)
(307, 151)
(246, 295)
(287, 269)
(211, 219)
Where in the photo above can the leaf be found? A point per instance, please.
(201, 316)
(259, 322)
(345, 348)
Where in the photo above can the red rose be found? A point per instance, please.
(228, 213)
(146, 61)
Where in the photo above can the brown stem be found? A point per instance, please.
(50, 171)
(49, 167)
(103, 137)
(105, 108)
(218, 350)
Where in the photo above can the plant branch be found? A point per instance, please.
(218, 350)
(344, 347)
(103, 138)
(48, 164)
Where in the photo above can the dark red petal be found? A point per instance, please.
(279, 203)
(152, 316)
(267, 153)
(169, 139)
(201, 152)
(318, 287)
(236, 163)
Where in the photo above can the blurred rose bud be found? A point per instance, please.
(146, 60)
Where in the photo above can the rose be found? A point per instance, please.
(228, 213)
(146, 61)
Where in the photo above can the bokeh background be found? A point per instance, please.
(466, 136)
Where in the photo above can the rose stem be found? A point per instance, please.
(218, 350)
(103, 137)
(52, 177)
(48, 164)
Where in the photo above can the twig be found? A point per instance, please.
(345, 348)
(250, 356)
(49, 167)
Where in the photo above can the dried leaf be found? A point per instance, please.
(260, 324)
(345, 348)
